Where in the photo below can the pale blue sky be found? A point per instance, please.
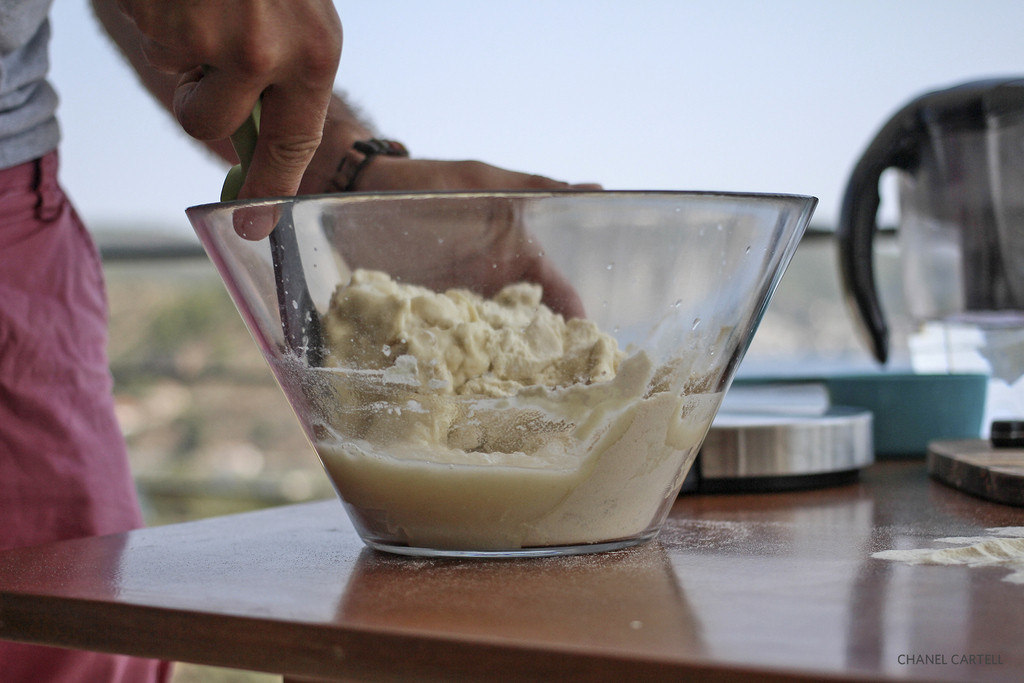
(733, 95)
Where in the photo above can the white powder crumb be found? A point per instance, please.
(1003, 547)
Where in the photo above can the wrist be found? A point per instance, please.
(338, 168)
(359, 156)
(342, 128)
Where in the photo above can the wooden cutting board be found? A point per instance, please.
(976, 467)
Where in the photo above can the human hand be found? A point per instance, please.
(228, 58)
(476, 242)
(511, 255)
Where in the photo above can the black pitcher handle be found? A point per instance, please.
(895, 146)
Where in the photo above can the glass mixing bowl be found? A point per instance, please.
(505, 373)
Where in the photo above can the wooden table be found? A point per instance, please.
(778, 585)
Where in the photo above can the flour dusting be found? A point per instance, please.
(1003, 547)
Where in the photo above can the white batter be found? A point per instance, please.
(457, 422)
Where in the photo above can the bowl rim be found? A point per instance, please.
(395, 195)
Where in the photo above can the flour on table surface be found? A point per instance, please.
(1003, 547)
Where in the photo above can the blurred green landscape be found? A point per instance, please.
(208, 430)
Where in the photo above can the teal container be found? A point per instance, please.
(909, 410)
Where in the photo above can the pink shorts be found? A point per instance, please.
(63, 467)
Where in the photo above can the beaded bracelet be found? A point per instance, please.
(361, 154)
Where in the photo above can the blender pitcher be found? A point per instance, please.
(959, 158)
